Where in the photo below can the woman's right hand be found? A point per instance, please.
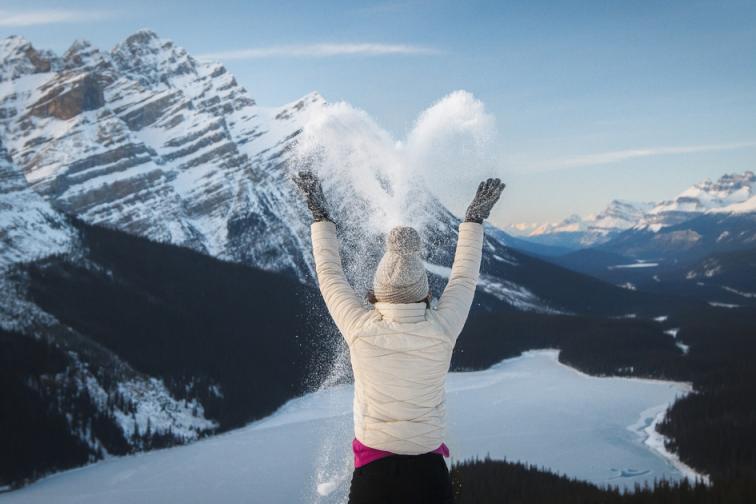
(485, 198)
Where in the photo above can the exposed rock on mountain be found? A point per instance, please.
(147, 139)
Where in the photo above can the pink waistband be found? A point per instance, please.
(364, 454)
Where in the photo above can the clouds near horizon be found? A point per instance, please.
(320, 50)
(38, 17)
(619, 156)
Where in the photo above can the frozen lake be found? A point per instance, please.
(529, 408)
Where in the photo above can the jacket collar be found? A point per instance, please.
(402, 312)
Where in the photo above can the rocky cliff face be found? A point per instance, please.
(147, 139)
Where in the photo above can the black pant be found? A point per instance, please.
(399, 479)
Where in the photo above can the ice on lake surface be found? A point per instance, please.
(530, 408)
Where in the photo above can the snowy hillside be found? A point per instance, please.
(29, 227)
(576, 231)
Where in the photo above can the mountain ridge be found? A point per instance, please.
(732, 193)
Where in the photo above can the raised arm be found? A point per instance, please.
(454, 304)
(343, 304)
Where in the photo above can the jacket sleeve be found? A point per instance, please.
(455, 302)
(343, 304)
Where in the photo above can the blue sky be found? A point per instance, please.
(592, 100)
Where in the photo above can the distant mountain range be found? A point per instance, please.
(733, 194)
(664, 248)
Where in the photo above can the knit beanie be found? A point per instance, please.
(400, 276)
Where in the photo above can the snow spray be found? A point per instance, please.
(374, 182)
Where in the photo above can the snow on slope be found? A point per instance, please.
(530, 408)
(29, 227)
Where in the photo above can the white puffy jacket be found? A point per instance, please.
(400, 352)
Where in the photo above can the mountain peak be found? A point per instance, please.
(314, 97)
(726, 183)
(82, 54)
(145, 36)
(79, 45)
(18, 57)
(152, 60)
(9, 43)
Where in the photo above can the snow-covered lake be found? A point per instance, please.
(529, 408)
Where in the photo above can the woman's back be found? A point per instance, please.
(400, 350)
(400, 358)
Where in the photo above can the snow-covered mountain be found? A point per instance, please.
(577, 232)
(149, 140)
(709, 217)
(705, 224)
(619, 215)
(731, 194)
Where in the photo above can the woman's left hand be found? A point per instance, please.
(310, 186)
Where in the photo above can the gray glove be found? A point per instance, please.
(485, 198)
(310, 186)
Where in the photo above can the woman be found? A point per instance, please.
(400, 351)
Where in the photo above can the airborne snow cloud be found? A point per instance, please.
(448, 151)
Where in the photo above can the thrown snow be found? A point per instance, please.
(529, 408)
